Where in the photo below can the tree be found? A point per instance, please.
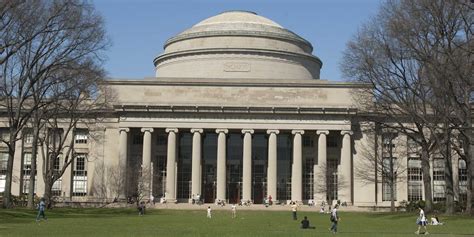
(400, 53)
(38, 56)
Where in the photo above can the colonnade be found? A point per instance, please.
(344, 168)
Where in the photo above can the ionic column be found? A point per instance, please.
(170, 190)
(297, 168)
(123, 145)
(196, 162)
(320, 174)
(221, 164)
(344, 175)
(247, 166)
(146, 162)
(272, 164)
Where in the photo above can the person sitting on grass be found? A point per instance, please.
(305, 224)
(435, 220)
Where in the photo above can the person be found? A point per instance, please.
(270, 199)
(234, 211)
(152, 200)
(305, 224)
(421, 221)
(141, 208)
(209, 212)
(294, 209)
(41, 207)
(435, 220)
(334, 219)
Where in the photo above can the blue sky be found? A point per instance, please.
(139, 28)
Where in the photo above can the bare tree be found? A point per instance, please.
(37, 53)
(395, 53)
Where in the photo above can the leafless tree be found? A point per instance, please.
(331, 183)
(395, 53)
(43, 44)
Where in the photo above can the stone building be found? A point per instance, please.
(236, 112)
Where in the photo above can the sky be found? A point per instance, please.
(138, 28)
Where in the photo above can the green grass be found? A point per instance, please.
(126, 222)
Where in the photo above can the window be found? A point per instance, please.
(56, 189)
(463, 180)
(137, 139)
(81, 136)
(3, 170)
(332, 185)
(5, 134)
(332, 141)
(415, 179)
(26, 173)
(55, 136)
(161, 140)
(387, 179)
(438, 169)
(388, 140)
(79, 183)
(308, 141)
(28, 138)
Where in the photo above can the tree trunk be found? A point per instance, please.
(48, 185)
(448, 174)
(470, 169)
(425, 168)
(392, 178)
(7, 194)
(33, 174)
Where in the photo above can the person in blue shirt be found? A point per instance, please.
(41, 207)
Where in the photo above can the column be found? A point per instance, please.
(297, 167)
(123, 145)
(344, 175)
(170, 190)
(455, 174)
(247, 166)
(320, 173)
(146, 163)
(221, 164)
(272, 164)
(196, 163)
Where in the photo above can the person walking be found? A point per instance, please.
(294, 209)
(209, 212)
(234, 211)
(41, 207)
(334, 219)
(421, 221)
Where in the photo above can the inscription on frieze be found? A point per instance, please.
(236, 67)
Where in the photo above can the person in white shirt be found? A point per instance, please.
(334, 219)
(234, 211)
(294, 209)
(421, 221)
(209, 212)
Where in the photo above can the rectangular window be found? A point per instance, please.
(3, 170)
(5, 134)
(28, 138)
(389, 179)
(161, 140)
(56, 189)
(388, 139)
(81, 136)
(137, 139)
(332, 141)
(308, 141)
(79, 183)
(438, 169)
(415, 179)
(26, 173)
(55, 135)
(332, 185)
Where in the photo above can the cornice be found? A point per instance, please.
(242, 51)
(237, 82)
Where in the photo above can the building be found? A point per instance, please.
(236, 112)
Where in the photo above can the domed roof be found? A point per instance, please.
(239, 23)
(238, 44)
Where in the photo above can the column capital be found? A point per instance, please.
(147, 130)
(247, 131)
(301, 132)
(222, 130)
(124, 130)
(349, 132)
(199, 130)
(173, 130)
(270, 131)
(325, 132)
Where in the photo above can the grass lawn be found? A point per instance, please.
(126, 222)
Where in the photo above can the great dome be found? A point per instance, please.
(238, 44)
